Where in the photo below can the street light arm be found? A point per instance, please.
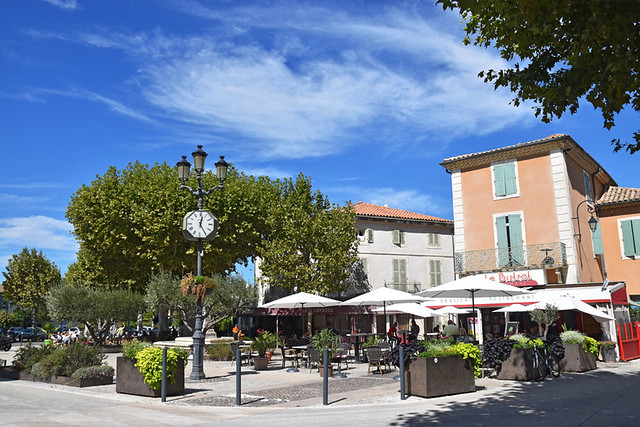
(590, 209)
(217, 187)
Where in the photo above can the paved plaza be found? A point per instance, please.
(276, 397)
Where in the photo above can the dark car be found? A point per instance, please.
(15, 332)
(28, 334)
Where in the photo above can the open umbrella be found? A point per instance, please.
(514, 308)
(301, 300)
(472, 286)
(568, 302)
(411, 308)
(451, 310)
(383, 296)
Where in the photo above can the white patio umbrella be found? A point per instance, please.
(411, 308)
(300, 300)
(472, 286)
(383, 296)
(568, 302)
(514, 308)
(451, 310)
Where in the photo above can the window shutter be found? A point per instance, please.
(503, 241)
(515, 239)
(396, 271)
(510, 179)
(403, 271)
(365, 265)
(398, 237)
(435, 272)
(635, 225)
(369, 235)
(402, 241)
(627, 238)
(498, 179)
(596, 238)
(587, 185)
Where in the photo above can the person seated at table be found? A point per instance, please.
(415, 330)
(392, 335)
(451, 330)
(462, 330)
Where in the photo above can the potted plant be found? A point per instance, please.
(326, 339)
(608, 350)
(264, 341)
(139, 370)
(438, 368)
(580, 352)
(517, 365)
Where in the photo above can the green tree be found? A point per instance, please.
(565, 51)
(163, 294)
(28, 278)
(311, 244)
(128, 224)
(97, 309)
(545, 318)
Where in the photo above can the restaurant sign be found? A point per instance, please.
(517, 278)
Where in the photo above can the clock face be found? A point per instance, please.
(199, 225)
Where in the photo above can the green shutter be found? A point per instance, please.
(369, 235)
(635, 225)
(396, 237)
(503, 242)
(435, 272)
(498, 179)
(515, 238)
(627, 238)
(596, 237)
(510, 179)
(402, 235)
(396, 271)
(403, 271)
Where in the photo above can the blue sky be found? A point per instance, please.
(366, 97)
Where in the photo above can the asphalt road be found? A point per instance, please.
(607, 396)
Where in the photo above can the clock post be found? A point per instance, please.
(199, 225)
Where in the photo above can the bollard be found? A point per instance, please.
(163, 391)
(401, 355)
(238, 377)
(325, 377)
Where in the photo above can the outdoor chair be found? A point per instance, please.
(313, 357)
(342, 355)
(376, 358)
(234, 349)
(289, 354)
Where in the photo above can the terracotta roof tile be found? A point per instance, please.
(616, 195)
(368, 209)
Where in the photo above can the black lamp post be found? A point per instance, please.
(199, 156)
(593, 222)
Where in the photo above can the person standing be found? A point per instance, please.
(236, 332)
(415, 330)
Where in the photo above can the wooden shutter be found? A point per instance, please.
(596, 238)
(498, 180)
(435, 272)
(369, 235)
(515, 239)
(510, 178)
(503, 241)
(631, 237)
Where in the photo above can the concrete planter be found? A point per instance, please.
(329, 370)
(517, 366)
(260, 363)
(439, 376)
(130, 380)
(576, 359)
(608, 354)
(68, 381)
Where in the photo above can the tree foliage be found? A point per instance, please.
(311, 244)
(229, 296)
(128, 224)
(568, 50)
(96, 308)
(29, 277)
(545, 318)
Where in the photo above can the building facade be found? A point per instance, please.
(404, 250)
(522, 212)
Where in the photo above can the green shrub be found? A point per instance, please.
(149, 362)
(372, 340)
(28, 355)
(447, 347)
(522, 341)
(64, 361)
(590, 345)
(133, 347)
(93, 372)
(572, 337)
(219, 351)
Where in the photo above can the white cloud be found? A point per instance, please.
(64, 4)
(273, 173)
(408, 199)
(39, 231)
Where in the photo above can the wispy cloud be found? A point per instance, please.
(296, 81)
(64, 4)
(41, 232)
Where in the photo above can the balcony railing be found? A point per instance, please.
(545, 255)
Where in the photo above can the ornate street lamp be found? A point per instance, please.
(199, 225)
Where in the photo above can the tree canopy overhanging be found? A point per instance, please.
(568, 51)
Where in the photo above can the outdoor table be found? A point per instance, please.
(355, 338)
(297, 349)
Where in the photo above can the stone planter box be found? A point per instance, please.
(68, 381)
(576, 359)
(608, 354)
(260, 363)
(517, 366)
(129, 380)
(439, 376)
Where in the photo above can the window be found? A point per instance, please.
(505, 182)
(630, 237)
(369, 235)
(366, 235)
(509, 240)
(398, 237)
(435, 272)
(433, 240)
(587, 185)
(399, 267)
(365, 265)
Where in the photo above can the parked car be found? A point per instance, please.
(28, 334)
(15, 333)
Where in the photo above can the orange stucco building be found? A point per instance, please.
(522, 212)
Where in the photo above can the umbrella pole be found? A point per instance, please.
(473, 308)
